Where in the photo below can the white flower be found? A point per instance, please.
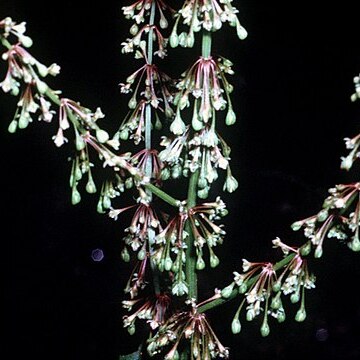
(59, 138)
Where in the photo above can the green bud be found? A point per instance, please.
(318, 252)
(300, 315)
(202, 182)
(176, 171)
(265, 329)
(158, 124)
(141, 254)
(102, 136)
(214, 261)
(176, 355)
(203, 193)
(42, 69)
(174, 39)
(235, 326)
(131, 329)
(79, 142)
(276, 302)
(322, 215)
(90, 186)
(281, 316)
(12, 127)
(190, 40)
(243, 288)
(175, 266)
(250, 315)
(277, 286)
(168, 264)
(230, 117)
(295, 297)
(129, 183)
(14, 91)
(241, 32)
(165, 174)
(196, 123)
(354, 245)
(25, 40)
(106, 202)
(124, 134)
(132, 103)
(23, 121)
(296, 225)
(200, 263)
(41, 86)
(305, 249)
(75, 196)
(161, 265)
(134, 29)
(226, 291)
(125, 254)
(99, 207)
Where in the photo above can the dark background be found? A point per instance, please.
(293, 84)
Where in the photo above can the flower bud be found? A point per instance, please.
(305, 249)
(165, 174)
(79, 143)
(200, 263)
(295, 297)
(75, 196)
(300, 315)
(214, 260)
(25, 40)
(12, 127)
(102, 136)
(99, 207)
(281, 316)
(354, 245)
(265, 329)
(203, 193)
(174, 39)
(318, 252)
(168, 264)
(176, 171)
(134, 29)
(243, 288)
(124, 134)
(141, 254)
(90, 186)
(129, 183)
(106, 202)
(230, 117)
(226, 291)
(241, 32)
(125, 255)
(190, 40)
(202, 182)
(24, 121)
(132, 103)
(41, 86)
(131, 329)
(276, 303)
(235, 326)
(296, 225)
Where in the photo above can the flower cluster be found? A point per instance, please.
(149, 85)
(263, 285)
(204, 14)
(192, 326)
(206, 82)
(9, 27)
(206, 152)
(339, 218)
(154, 309)
(24, 74)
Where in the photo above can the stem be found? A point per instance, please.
(148, 146)
(190, 266)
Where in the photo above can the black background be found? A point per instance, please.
(293, 83)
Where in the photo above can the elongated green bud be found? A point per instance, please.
(214, 261)
(265, 329)
(300, 315)
(200, 263)
(236, 326)
(168, 264)
(174, 38)
(125, 254)
(230, 117)
(75, 196)
(141, 254)
(90, 186)
(226, 292)
(12, 127)
(131, 329)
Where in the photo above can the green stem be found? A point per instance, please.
(148, 146)
(190, 266)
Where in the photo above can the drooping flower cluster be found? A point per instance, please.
(339, 218)
(154, 309)
(24, 75)
(192, 326)
(263, 285)
(148, 84)
(204, 14)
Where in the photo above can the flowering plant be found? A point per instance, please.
(169, 249)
